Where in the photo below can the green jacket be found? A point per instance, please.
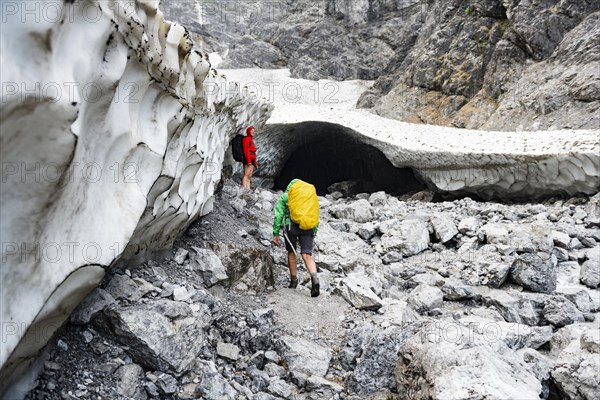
(282, 214)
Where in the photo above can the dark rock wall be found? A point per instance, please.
(491, 64)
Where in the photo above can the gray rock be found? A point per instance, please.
(590, 341)
(264, 396)
(515, 336)
(128, 380)
(469, 226)
(454, 289)
(559, 311)
(274, 370)
(590, 273)
(353, 345)
(304, 356)
(576, 369)
(249, 264)
(279, 388)
(378, 199)
(322, 387)
(206, 264)
(561, 240)
(121, 287)
(272, 356)
(180, 293)
(357, 211)
(411, 237)
(391, 257)
(356, 290)
(444, 227)
(425, 298)
(151, 389)
(515, 307)
(465, 364)
(367, 231)
(214, 387)
(495, 233)
(180, 256)
(374, 369)
(260, 379)
(581, 299)
(228, 351)
(535, 272)
(560, 254)
(166, 383)
(163, 335)
(91, 306)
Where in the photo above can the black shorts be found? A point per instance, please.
(295, 235)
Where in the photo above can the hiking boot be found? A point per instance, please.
(293, 283)
(314, 291)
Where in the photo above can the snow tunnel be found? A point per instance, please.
(327, 154)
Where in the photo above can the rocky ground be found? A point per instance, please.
(420, 299)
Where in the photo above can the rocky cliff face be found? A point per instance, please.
(492, 64)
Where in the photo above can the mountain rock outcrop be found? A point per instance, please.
(490, 64)
(113, 136)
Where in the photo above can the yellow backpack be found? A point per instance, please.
(303, 205)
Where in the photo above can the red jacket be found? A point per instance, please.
(249, 150)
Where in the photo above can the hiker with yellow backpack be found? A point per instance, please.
(297, 212)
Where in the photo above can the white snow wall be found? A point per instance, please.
(112, 138)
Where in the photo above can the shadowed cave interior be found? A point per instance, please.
(327, 155)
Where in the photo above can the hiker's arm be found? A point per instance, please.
(279, 213)
(246, 148)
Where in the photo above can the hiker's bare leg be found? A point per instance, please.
(293, 266)
(310, 263)
(248, 169)
(312, 268)
(292, 263)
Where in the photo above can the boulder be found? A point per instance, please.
(374, 369)
(425, 298)
(228, 351)
(358, 211)
(515, 336)
(444, 227)
(91, 306)
(590, 273)
(535, 272)
(469, 226)
(304, 356)
(129, 381)
(409, 238)
(279, 388)
(122, 287)
(245, 263)
(356, 290)
(454, 289)
(322, 388)
(560, 311)
(208, 266)
(561, 239)
(450, 361)
(214, 387)
(577, 361)
(495, 233)
(163, 335)
(515, 307)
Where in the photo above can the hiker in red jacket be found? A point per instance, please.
(249, 156)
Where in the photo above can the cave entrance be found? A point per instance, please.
(331, 155)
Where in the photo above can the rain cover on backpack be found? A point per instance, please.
(303, 205)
